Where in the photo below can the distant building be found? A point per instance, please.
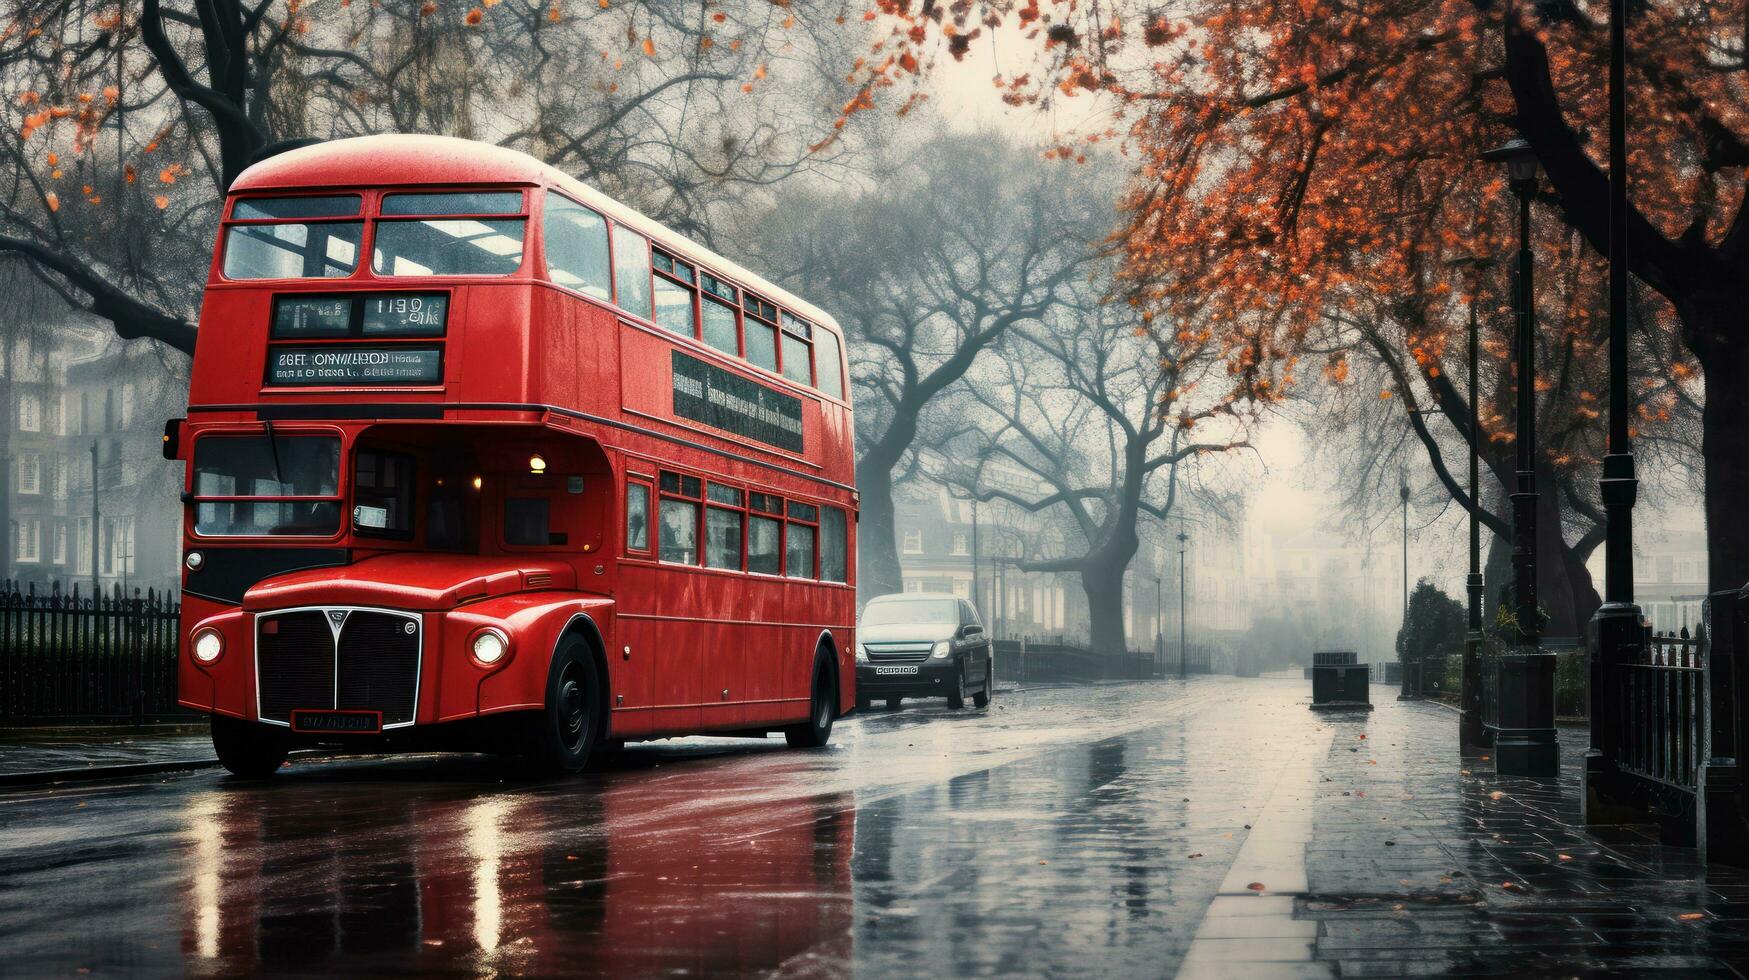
(1670, 571)
(939, 536)
(78, 400)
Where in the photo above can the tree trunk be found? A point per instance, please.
(1715, 330)
(877, 565)
(1102, 580)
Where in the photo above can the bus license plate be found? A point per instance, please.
(337, 722)
(895, 670)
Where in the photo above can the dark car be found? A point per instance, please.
(923, 645)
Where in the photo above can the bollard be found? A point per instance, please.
(1526, 743)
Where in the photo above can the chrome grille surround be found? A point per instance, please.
(358, 656)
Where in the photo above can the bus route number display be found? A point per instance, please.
(352, 365)
(405, 315)
(726, 400)
(312, 316)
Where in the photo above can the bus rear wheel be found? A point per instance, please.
(561, 737)
(817, 730)
(248, 749)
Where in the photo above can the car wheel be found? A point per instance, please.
(561, 737)
(248, 749)
(817, 730)
(956, 698)
(982, 698)
(894, 703)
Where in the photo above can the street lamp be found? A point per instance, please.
(1183, 651)
(1471, 730)
(1526, 744)
(1409, 691)
(1616, 629)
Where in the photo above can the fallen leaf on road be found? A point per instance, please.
(1197, 854)
(1255, 886)
(1496, 795)
(1511, 886)
(1692, 915)
(1565, 857)
(1360, 792)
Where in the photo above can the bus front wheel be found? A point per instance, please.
(247, 749)
(817, 730)
(562, 736)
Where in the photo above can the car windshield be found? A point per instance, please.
(911, 611)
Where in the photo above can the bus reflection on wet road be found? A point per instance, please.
(426, 879)
(1052, 831)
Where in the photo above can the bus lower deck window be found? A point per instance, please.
(637, 517)
(722, 538)
(764, 545)
(679, 531)
(527, 521)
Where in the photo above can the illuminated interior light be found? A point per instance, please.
(537, 464)
(476, 483)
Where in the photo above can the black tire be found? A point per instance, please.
(893, 704)
(956, 698)
(562, 737)
(822, 708)
(247, 749)
(982, 698)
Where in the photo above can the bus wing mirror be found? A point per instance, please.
(173, 438)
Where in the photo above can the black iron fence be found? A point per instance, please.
(1660, 699)
(1048, 659)
(72, 659)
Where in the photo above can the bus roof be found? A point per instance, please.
(398, 160)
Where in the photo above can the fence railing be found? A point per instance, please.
(1055, 658)
(1660, 698)
(67, 658)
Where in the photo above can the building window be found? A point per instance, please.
(959, 543)
(118, 546)
(913, 541)
(30, 412)
(30, 473)
(29, 533)
(913, 585)
(63, 478)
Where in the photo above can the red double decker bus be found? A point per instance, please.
(478, 457)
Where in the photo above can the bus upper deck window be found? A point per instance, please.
(576, 247)
(631, 270)
(284, 246)
(454, 246)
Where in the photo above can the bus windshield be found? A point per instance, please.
(267, 485)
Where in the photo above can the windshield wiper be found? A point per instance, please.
(273, 448)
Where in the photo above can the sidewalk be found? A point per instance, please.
(1392, 855)
(41, 753)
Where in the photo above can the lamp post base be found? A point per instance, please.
(1617, 635)
(1526, 744)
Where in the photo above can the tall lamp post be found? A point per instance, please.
(1526, 743)
(1616, 628)
(1471, 730)
(1411, 690)
(1159, 621)
(1183, 651)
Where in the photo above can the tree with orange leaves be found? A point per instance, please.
(1299, 159)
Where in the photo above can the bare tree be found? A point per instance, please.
(135, 119)
(968, 240)
(1102, 417)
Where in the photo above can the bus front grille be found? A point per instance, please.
(378, 660)
(350, 659)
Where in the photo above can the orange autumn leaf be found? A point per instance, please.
(474, 16)
(53, 200)
(649, 47)
(162, 202)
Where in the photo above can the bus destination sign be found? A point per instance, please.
(405, 315)
(726, 400)
(361, 314)
(351, 365)
(312, 316)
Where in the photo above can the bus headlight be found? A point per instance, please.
(942, 649)
(490, 646)
(208, 646)
(861, 654)
(194, 560)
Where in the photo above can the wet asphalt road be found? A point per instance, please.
(1063, 831)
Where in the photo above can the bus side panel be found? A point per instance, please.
(579, 351)
(655, 608)
(492, 354)
(768, 658)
